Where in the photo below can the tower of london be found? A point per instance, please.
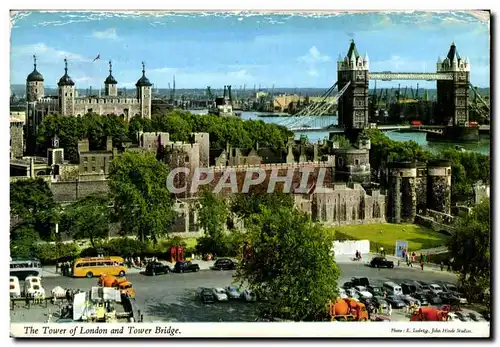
(68, 103)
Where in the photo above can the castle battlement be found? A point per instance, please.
(280, 166)
(106, 100)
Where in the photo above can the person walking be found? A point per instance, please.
(422, 264)
(442, 266)
(389, 311)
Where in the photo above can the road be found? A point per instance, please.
(171, 297)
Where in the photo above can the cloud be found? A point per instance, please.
(314, 56)
(108, 34)
(49, 54)
(164, 70)
(397, 63)
(312, 72)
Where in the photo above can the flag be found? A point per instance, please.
(98, 57)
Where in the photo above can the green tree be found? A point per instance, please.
(213, 215)
(292, 265)
(87, 219)
(469, 246)
(246, 205)
(23, 242)
(32, 204)
(138, 187)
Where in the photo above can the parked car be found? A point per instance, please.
(462, 316)
(186, 266)
(363, 292)
(380, 301)
(452, 317)
(347, 285)
(422, 298)
(408, 300)
(381, 262)
(395, 301)
(408, 288)
(220, 294)
(476, 317)
(375, 290)
(449, 287)
(233, 292)
(435, 288)
(352, 293)
(342, 293)
(449, 298)
(434, 299)
(224, 264)
(248, 295)
(360, 281)
(207, 296)
(156, 268)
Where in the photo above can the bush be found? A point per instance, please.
(124, 247)
(230, 245)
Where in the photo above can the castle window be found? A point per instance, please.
(93, 159)
(356, 161)
(85, 169)
(186, 159)
(93, 168)
(36, 90)
(65, 94)
(449, 171)
(85, 159)
(341, 161)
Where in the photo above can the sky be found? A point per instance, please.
(207, 49)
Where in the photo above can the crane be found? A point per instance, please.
(416, 93)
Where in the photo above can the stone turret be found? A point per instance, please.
(439, 186)
(402, 197)
(34, 84)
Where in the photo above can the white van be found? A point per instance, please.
(33, 285)
(14, 288)
(393, 289)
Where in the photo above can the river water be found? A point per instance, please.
(483, 146)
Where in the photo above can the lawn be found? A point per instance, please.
(386, 234)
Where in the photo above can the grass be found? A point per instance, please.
(386, 234)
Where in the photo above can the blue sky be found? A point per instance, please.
(206, 49)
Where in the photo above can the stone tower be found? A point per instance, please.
(402, 199)
(203, 139)
(439, 186)
(34, 84)
(66, 93)
(110, 84)
(353, 104)
(143, 87)
(452, 95)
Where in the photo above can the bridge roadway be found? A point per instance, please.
(422, 128)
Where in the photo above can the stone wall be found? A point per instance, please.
(68, 191)
(439, 194)
(16, 140)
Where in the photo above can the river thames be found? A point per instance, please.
(482, 146)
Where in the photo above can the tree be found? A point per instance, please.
(213, 214)
(292, 266)
(469, 246)
(138, 187)
(246, 205)
(88, 219)
(32, 204)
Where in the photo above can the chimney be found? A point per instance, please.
(225, 92)
(229, 93)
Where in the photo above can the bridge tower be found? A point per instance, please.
(452, 95)
(353, 105)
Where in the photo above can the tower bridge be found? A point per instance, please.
(452, 77)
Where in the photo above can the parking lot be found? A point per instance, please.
(171, 297)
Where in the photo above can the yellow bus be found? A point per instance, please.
(91, 267)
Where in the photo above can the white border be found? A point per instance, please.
(214, 5)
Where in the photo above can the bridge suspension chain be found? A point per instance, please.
(485, 114)
(313, 106)
(325, 107)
